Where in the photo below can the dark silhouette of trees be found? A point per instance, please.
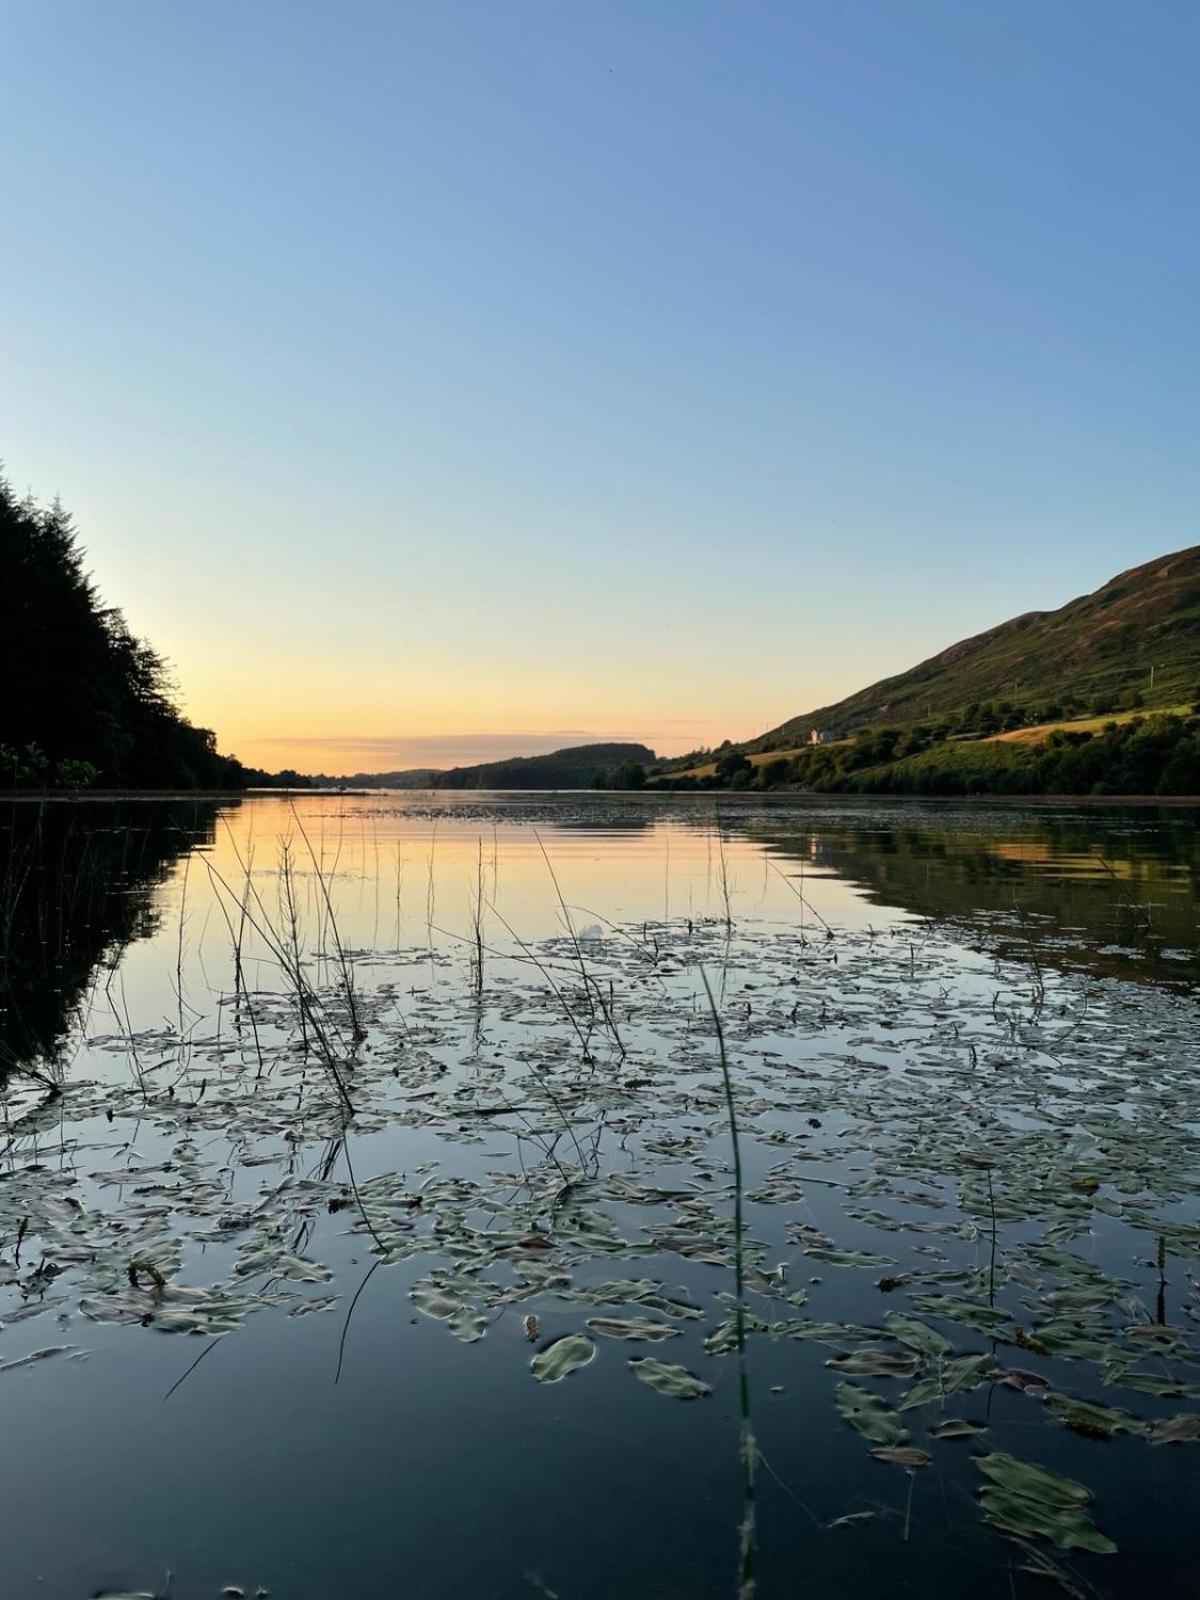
(83, 701)
(731, 764)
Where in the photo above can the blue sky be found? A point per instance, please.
(514, 369)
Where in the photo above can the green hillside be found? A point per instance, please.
(1137, 636)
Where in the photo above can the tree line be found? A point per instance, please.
(1158, 753)
(85, 702)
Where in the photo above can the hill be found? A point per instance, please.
(408, 778)
(581, 766)
(1136, 640)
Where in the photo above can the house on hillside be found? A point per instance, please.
(821, 736)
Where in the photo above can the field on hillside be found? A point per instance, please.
(1036, 734)
(1039, 732)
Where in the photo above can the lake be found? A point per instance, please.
(598, 1196)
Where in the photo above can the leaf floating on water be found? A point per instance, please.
(1025, 1499)
(631, 1328)
(677, 1382)
(871, 1416)
(874, 1363)
(1091, 1420)
(851, 1518)
(963, 1373)
(902, 1455)
(917, 1335)
(957, 1428)
(1183, 1429)
(966, 1372)
(467, 1324)
(848, 1258)
(564, 1356)
(1065, 1526)
(301, 1271)
(975, 1313)
(36, 1355)
(306, 1307)
(435, 1300)
(1024, 1477)
(1018, 1378)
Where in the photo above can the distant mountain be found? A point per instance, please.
(1136, 637)
(410, 778)
(581, 766)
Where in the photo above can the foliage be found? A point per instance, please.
(86, 702)
(1157, 754)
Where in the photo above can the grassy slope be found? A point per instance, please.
(756, 758)
(1101, 644)
(1035, 734)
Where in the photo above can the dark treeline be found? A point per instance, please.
(85, 702)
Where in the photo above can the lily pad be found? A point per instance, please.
(1065, 1526)
(917, 1335)
(874, 1363)
(902, 1455)
(1025, 1478)
(632, 1328)
(869, 1415)
(671, 1380)
(957, 1428)
(564, 1356)
(1183, 1429)
(1091, 1420)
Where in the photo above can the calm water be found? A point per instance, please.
(292, 1346)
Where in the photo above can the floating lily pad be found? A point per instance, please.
(917, 1335)
(632, 1328)
(564, 1356)
(869, 1415)
(957, 1428)
(1092, 1420)
(874, 1363)
(902, 1455)
(1183, 1429)
(671, 1380)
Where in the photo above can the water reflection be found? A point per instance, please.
(323, 1427)
(77, 886)
(1112, 889)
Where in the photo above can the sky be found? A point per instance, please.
(436, 381)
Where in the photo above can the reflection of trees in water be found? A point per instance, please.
(77, 883)
(1119, 878)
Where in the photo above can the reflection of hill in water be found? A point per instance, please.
(76, 884)
(1115, 891)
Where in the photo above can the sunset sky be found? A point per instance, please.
(432, 382)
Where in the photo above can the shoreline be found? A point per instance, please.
(650, 794)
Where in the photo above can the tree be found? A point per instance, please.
(730, 764)
(82, 696)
